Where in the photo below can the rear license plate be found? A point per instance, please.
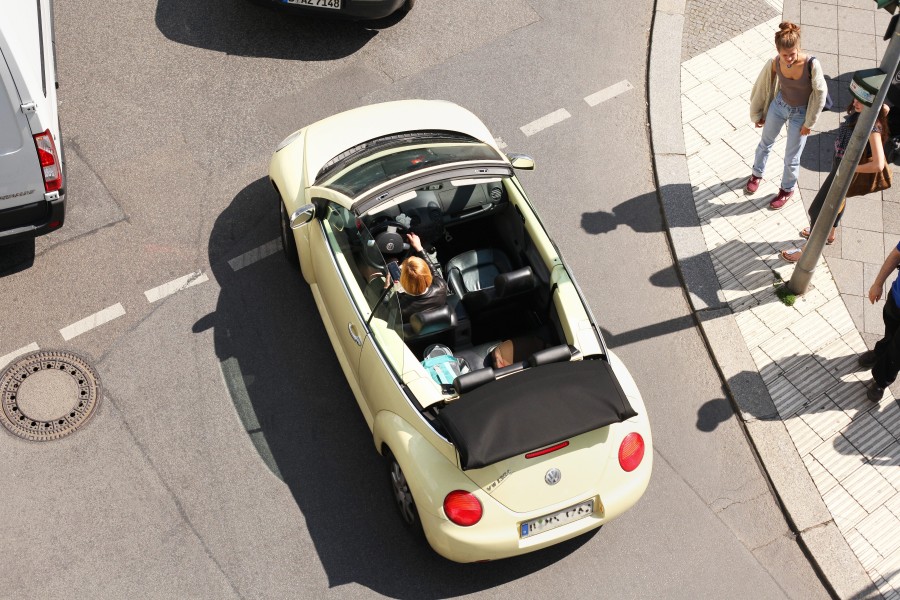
(557, 519)
(336, 4)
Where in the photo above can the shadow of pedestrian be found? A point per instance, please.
(291, 395)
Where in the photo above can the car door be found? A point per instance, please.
(349, 281)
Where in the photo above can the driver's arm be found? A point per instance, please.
(416, 244)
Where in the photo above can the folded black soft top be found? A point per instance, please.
(532, 409)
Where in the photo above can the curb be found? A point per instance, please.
(800, 501)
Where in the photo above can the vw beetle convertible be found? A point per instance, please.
(499, 461)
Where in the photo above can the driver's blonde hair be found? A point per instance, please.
(415, 276)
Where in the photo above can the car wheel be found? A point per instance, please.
(403, 497)
(288, 243)
(408, 5)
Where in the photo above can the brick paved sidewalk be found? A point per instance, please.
(806, 354)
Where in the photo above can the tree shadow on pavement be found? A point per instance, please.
(302, 417)
(241, 28)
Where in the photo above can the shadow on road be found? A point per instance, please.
(16, 257)
(241, 28)
(296, 406)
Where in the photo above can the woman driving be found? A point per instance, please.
(422, 287)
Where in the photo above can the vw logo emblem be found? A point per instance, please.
(553, 476)
(390, 246)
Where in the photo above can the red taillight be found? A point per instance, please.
(49, 160)
(548, 450)
(462, 508)
(631, 452)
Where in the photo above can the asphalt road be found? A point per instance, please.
(228, 458)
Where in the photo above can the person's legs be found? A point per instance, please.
(816, 205)
(887, 350)
(775, 120)
(793, 150)
(818, 202)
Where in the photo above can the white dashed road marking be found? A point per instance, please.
(8, 358)
(248, 258)
(176, 285)
(608, 93)
(545, 121)
(95, 320)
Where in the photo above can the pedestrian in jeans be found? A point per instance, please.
(790, 89)
(880, 132)
(884, 360)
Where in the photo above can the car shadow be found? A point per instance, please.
(241, 28)
(296, 406)
(17, 257)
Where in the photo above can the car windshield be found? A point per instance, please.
(384, 166)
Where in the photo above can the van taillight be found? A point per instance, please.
(49, 160)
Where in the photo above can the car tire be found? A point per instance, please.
(408, 5)
(403, 498)
(288, 243)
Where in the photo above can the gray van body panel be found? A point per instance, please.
(27, 108)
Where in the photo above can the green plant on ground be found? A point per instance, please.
(784, 294)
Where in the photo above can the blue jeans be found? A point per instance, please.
(780, 113)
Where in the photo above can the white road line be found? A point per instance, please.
(95, 320)
(176, 285)
(248, 258)
(545, 121)
(500, 143)
(5, 360)
(610, 92)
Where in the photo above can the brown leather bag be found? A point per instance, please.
(867, 183)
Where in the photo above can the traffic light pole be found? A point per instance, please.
(800, 280)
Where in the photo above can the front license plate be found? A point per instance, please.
(336, 4)
(557, 519)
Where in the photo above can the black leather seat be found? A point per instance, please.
(428, 327)
(485, 277)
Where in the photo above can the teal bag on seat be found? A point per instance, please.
(441, 365)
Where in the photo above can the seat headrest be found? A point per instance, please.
(432, 320)
(561, 353)
(514, 282)
(473, 379)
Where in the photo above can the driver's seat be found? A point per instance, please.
(428, 327)
(485, 277)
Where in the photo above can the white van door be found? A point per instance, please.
(21, 181)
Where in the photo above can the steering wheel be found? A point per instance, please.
(390, 243)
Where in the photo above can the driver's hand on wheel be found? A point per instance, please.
(414, 241)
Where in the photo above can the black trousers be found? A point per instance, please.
(887, 349)
(819, 201)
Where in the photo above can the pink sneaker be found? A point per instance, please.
(781, 199)
(752, 184)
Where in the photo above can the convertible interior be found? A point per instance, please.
(505, 279)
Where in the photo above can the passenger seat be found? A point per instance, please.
(485, 278)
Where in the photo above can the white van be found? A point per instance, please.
(32, 173)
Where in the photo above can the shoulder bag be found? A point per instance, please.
(867, 183)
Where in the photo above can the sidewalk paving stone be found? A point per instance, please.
(818, 14)
(856, 44)
(857, 20)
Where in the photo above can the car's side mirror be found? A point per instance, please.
(303, 215)
(522, 162)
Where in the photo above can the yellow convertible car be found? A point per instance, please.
(505, 423)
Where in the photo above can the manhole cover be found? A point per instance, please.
(48, 395)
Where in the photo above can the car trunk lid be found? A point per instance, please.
(564, 475)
